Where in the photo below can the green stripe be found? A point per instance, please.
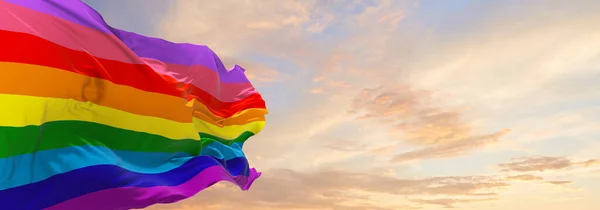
(60, 134)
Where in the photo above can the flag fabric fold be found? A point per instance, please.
(93, 117)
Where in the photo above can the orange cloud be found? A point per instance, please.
(412, 112)
(381, 150)
(420, 118)
(447, 202)
(589, 163)
(317, 91)
(541, 164)
(524, 178)
(451, 149)
(559, 182)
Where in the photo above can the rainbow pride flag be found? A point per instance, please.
(93, 117)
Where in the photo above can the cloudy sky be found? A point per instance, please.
(404, 104)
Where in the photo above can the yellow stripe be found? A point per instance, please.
(19, 111)
(228, 132)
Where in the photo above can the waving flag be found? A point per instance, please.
(93, 117)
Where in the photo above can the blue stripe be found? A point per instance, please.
(29, 168)
(82, 181)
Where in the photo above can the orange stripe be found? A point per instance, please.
(33, 80)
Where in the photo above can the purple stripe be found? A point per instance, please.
(137, 197)
(177, 53)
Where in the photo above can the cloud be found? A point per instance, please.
(541, 164)
(558, 182)
(531, 178)
(340, 189)
(504, 70)
(345, 145)
(422, 120)
(392, 18)
(412, 112)
(334, 86)
(448, 202)
(231, 27)
(452, 149)
(317, 90)
(589, 163)
(381, 150)
(524, 178)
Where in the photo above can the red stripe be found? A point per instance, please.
(25, 48)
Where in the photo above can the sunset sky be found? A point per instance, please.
(403, 104)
